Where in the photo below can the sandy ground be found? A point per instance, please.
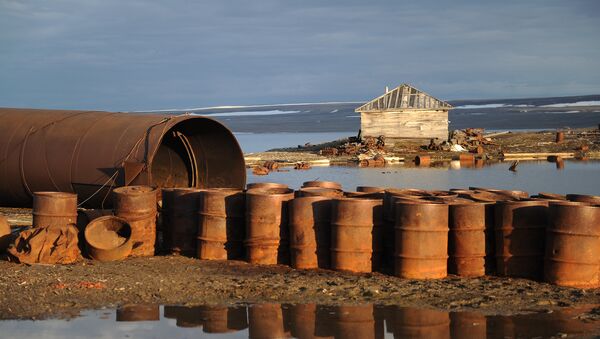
(41, 291)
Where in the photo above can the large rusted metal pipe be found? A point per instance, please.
(356, 234)
(520, 237)
(421, 240)
(221, 228)
(310, 232)
(137, 205)
(573, 245)
(90, 152)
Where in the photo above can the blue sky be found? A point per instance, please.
(135, 55)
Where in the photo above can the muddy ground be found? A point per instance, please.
(41, 291)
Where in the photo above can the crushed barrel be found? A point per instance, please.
(54, 209)
(137, 205)
(310, 232)
(421, 240)
(573, 245)
(221, 224)
(267, 232)
(180, 220)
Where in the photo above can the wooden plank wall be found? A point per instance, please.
(405, 124)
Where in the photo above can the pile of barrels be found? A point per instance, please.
(411, 233)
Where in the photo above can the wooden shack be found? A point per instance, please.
(405, 112)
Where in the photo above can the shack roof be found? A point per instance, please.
(404, 97)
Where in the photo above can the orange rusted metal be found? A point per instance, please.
(108, 238)
(267, 232)
(323, 184)
(573, 245)
(310, 232)
(590, 199)
(551, 196)
(356, 234)
(89, 153)
(319, 192)
(470, 325)
(215, 319)
(221, 224)
(421, 323)
(422, 160)
(303, 320)
(370, 189)
(265, 185)
(520, 236)
(137, 205)
(356, 321)
(508, 194)
(560, 137)
(5, 234)
(138, 313)
(54, 209)
(466, 239)
(180, 219)
(421, 240)
(266, 321)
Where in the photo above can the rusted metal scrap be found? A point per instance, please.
(91, 152)
(47, 245)
(302, 166)
(260, 170)
(356, 146)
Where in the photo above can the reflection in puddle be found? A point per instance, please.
(306, 321)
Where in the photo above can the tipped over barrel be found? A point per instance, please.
(88, 153)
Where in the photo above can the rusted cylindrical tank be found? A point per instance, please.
(310, 232)
(267, 232)
(466, 239)
(138, 313)
(323, 184)
(356, 321)
(356, 234)
(221, 224)
(520, 236)
(470, 325)
(551, 196)
(422, 160)
(560, 137)
(421, 240)
(319, 192)
(180, 219)
(91, 152)
(573, 245)
(303, 320)
(508, 194)
(370, 189)
(421, 323)
(590, 199)
(54, 209)
(265, 185)
(137, 205)
(215, 319)
(108, 238)
(265, 321)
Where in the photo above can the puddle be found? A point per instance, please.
(303, 321)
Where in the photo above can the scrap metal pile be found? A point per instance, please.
(368, 151)
(411, 233)
(470, 139)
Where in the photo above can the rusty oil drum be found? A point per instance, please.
(54, 209)
(137, 205)
(108, 238)
(318, 192)
(520, 231)
(303, 320)
(263, 185)
(421, 240)
(310, 232)
(180, 219)
(466, 239)
(370, 189)
(356, 321)
(221, 224)
(266, 321)
(421, 323)
(590, 199)
(323, 184)
(138, 313)
(573, 245)
(267, 232)
(356, 234)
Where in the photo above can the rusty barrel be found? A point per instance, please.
(551, 196)
(215, 319)
(138, 313)
(180, 219)
(356, 234)
(560, 137)
(573, 245)
(370, 189)
(263, 185)
(421, 240)
(323, 184)
(470, 325)
(590, 199)
(265, 321)
(303, 320)
(137, 205)
(520, 236)
(318, 192)
(221, 224)
(310, 232)
(54, 209)
(422, 160)
(421, 323)
(267, 232)
(356, 321)
(108, 238)
(466, 239)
